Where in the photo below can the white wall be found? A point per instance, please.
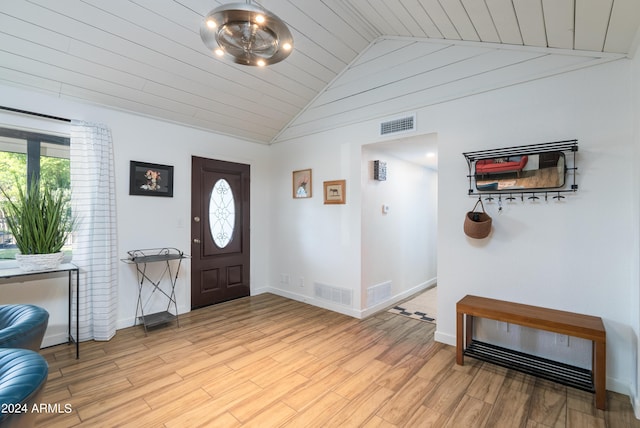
(635, 297)
(323, 244)
(314, 242)
(578, 255)
(399, 246)
(148, 222)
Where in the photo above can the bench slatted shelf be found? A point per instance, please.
(560, 322)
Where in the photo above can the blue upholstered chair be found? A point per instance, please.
(22, 326)
(23, 374)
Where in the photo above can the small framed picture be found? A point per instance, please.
(302, 184)
(150, 179)
(379, 170)
(335, 192)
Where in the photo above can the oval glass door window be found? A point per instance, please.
(222, 213)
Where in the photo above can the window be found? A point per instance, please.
(222, 213)
(25, 156)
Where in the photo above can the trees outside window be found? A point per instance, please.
(27, 156)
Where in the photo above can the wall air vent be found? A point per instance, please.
(402, 124)
(378, 293)
(341, 296)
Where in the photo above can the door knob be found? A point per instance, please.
(196, 240)
(196, 219)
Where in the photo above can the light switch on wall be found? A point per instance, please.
(385, 209)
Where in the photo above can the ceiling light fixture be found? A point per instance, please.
(247, 34)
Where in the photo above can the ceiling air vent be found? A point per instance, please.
(403, 124)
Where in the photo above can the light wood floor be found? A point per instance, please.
(266, 361)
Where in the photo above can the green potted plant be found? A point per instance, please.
(39, 220)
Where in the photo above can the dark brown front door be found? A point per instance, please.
(219, 231)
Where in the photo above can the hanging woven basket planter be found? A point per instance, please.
(477, 224)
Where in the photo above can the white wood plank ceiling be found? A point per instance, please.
(146, 56)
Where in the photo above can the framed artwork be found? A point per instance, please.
(302, 184)
(379, 170)
(335, 192)
(150, 179)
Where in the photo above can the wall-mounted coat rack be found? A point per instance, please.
(530, 172)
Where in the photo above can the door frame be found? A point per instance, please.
(198, 229)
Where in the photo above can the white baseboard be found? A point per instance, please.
(310, 300)
(352, 312)
(54, 339)
(635, 402)
(619, 386)
(261, 290)
(624, 388)
(398, 297)
(447, 339)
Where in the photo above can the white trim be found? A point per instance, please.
(445, 338)
(398, 297)
(55, 339)
(306, 299)
(352, 312)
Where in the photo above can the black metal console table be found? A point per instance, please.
(155, 255)
(64, 267)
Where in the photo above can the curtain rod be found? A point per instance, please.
(31, 113)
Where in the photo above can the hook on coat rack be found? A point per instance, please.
(558, 196)
(533, 196)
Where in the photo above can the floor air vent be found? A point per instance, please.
(332, 294)
(403, 124)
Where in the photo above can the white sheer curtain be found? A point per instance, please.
(94, 240)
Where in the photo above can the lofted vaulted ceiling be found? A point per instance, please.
(353, 59)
